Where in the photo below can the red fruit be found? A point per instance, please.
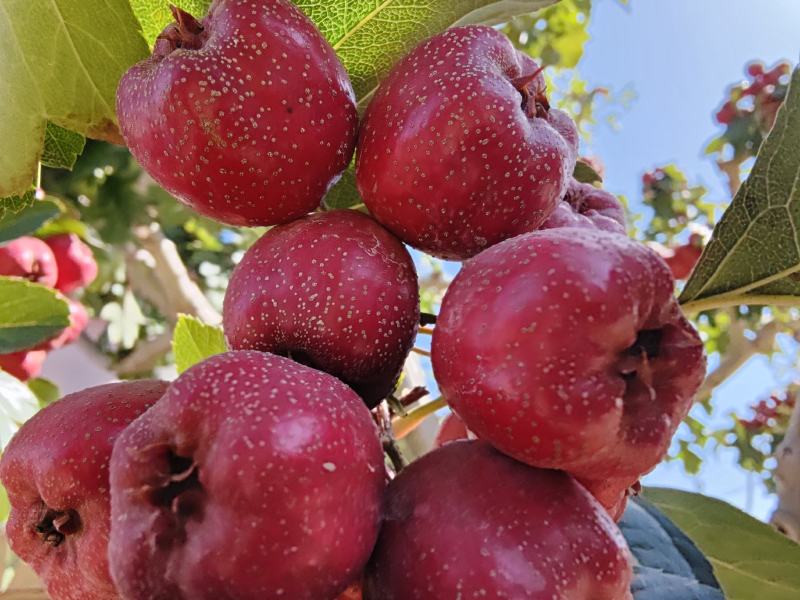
(451, 429)
(334, 291)
(78, 320)
(588, 207)
(467, 522)
(55, 471)
(29, 258)
(755, 69)
(247, 116)
(23, 365)
(459, 149)
(352, 593)
(684, 259)
(254, 478)
(566, 349)
(727, 113)
(76, 265)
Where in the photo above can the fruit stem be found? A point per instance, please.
(540, 105)
(405, 425)
(186, 32)
(426, 330)
(427, 319)
(421, 352)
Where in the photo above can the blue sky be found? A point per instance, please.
(679, 57)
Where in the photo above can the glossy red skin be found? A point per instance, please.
(29, 258)
(451, 429)
(291, 478)
(252, 128)
(588, 207)
(78, 320)
(335, 291)
(465, 521)
(534, 338)
(448, 158)
(59, 460)
(77, 267)
(23, 365)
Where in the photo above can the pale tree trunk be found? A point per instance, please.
(786, 517)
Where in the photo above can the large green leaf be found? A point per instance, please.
(62, 147)
(27, 220)
(194, 341)
(369, 35)
(61, 61)
(11, 205)
(750, 559)
(29, 314)
(754, 254)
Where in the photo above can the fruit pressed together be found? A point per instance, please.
(259, 473)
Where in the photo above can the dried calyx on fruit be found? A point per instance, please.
(460, 149)
(246, 115)
(588, 207)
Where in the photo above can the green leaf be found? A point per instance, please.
(17, 405)
(46, 391)
(5, 505)
(585, 173)
(13, 204)
(668, 564)
(194, 341)
(345, 193)
(28, 220)
(750, 559)
(62, 147)
(61, 62)
(29, 314)
(369, 35)
(124, 321)
(754, 254)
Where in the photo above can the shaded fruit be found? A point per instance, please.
(334, 291)
(77, 267)
(246, 116)
(55, 471)
(459, 148)
(465, 521)
(566, 349)
(23, 365)
(253, 478)
(29, 258)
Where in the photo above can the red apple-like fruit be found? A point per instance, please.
(29, 258)
(78, 320)
(77, 267)
(459, 149)
(465, 521)
(451, 430)
(254, 478)
(334, 291)
(588, 207)
(247, 116)
(683, 259)
(23, 365)
(55, 471)
(566, 349)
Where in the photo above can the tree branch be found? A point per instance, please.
(146, 356)
(740, 350)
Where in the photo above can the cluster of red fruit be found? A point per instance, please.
(259, 473)
(767, 413)
(760, 97)
(62, 262)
